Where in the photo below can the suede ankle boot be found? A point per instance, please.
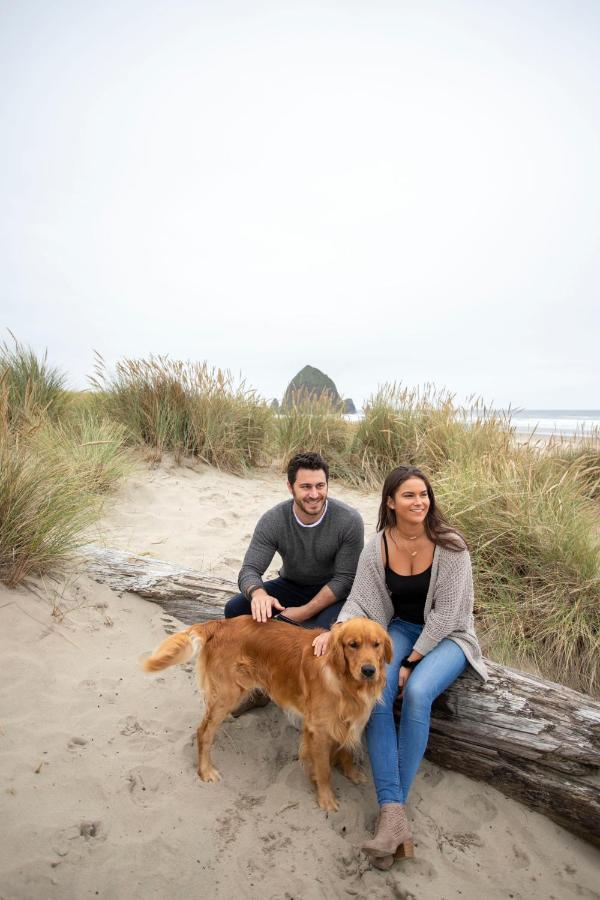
(393, 836)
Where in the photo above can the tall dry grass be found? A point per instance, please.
(188, 408)
(33, 386)
(579, 457)
(536, 553)
(51, 471)
(310, 422)
(424, 427)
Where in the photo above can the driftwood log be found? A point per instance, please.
(534, 740)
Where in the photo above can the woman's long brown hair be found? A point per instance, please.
(437, 527)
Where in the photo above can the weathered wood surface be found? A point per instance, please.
(534, 740)
(188, 595)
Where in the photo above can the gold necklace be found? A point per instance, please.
(412, 552)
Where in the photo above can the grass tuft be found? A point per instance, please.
(310, 422)
(33, 387)
(188, 408)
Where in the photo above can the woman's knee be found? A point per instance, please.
(417, 693)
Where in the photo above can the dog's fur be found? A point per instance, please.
(334, 693)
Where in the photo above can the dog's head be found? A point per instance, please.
(360, 648)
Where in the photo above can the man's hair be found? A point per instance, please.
(312, 461)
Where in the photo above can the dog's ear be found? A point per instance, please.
(388, 649)
(336, 649)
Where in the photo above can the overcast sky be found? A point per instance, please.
(401, 191)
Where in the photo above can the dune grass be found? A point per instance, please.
(32, 386)
(579, 458)
(187, 408)
(90, 446)
(309, 422)
(424, 427)
(536, 555)
(52, 470)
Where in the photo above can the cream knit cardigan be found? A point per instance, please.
(448, 608)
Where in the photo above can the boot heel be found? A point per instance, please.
(405, 850)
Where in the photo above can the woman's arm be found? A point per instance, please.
(452, 602)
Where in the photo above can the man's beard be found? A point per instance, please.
(311, 511)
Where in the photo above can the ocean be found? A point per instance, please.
(546, 422)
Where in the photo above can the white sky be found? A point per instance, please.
(386, 190)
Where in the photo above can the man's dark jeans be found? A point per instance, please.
(289, 594)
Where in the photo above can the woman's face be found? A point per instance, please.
(410, 502)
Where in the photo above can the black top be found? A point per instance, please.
(409, 592)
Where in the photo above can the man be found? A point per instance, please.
(319, 540)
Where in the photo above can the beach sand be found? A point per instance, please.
(100, 796)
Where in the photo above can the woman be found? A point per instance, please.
(415, 579)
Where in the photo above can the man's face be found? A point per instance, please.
(309, 491)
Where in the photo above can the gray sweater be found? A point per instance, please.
(324, 554)
(448, 607)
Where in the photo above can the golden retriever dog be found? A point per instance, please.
(334, 693)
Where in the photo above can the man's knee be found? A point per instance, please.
(237, 606)
(327, 616)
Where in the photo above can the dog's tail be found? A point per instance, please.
(180, 647)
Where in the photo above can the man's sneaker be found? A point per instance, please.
(253, 700)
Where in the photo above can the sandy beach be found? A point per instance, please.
(100, 796)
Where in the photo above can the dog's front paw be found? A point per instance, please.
(209, 773)
(327, 801)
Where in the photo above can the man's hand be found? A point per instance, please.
(403, 677)
(262, 605)
(321, 643)
(297, 614)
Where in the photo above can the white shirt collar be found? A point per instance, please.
(313, 524)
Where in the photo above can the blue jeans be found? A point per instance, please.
(396, 755)
(289, 594)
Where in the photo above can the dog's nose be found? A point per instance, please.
(368, 671)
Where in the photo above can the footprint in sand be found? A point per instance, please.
(482, 809)
(147, 785)
(228, 825)
(522, 860)
(219, 499)
(67, 840)
(132, 726)
(232, 561)
(77, 743)
(91, 831)
(217, 522)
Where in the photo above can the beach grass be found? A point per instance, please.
(50, 486)
(424, 427)
(54, 465)
(312, 422)
(187, 408)
(91, 446)
(32, 386)
(580, 458)
(536, 556)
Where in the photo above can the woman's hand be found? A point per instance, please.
(321, 643)
(403, 677)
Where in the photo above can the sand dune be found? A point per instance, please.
(99, 792)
